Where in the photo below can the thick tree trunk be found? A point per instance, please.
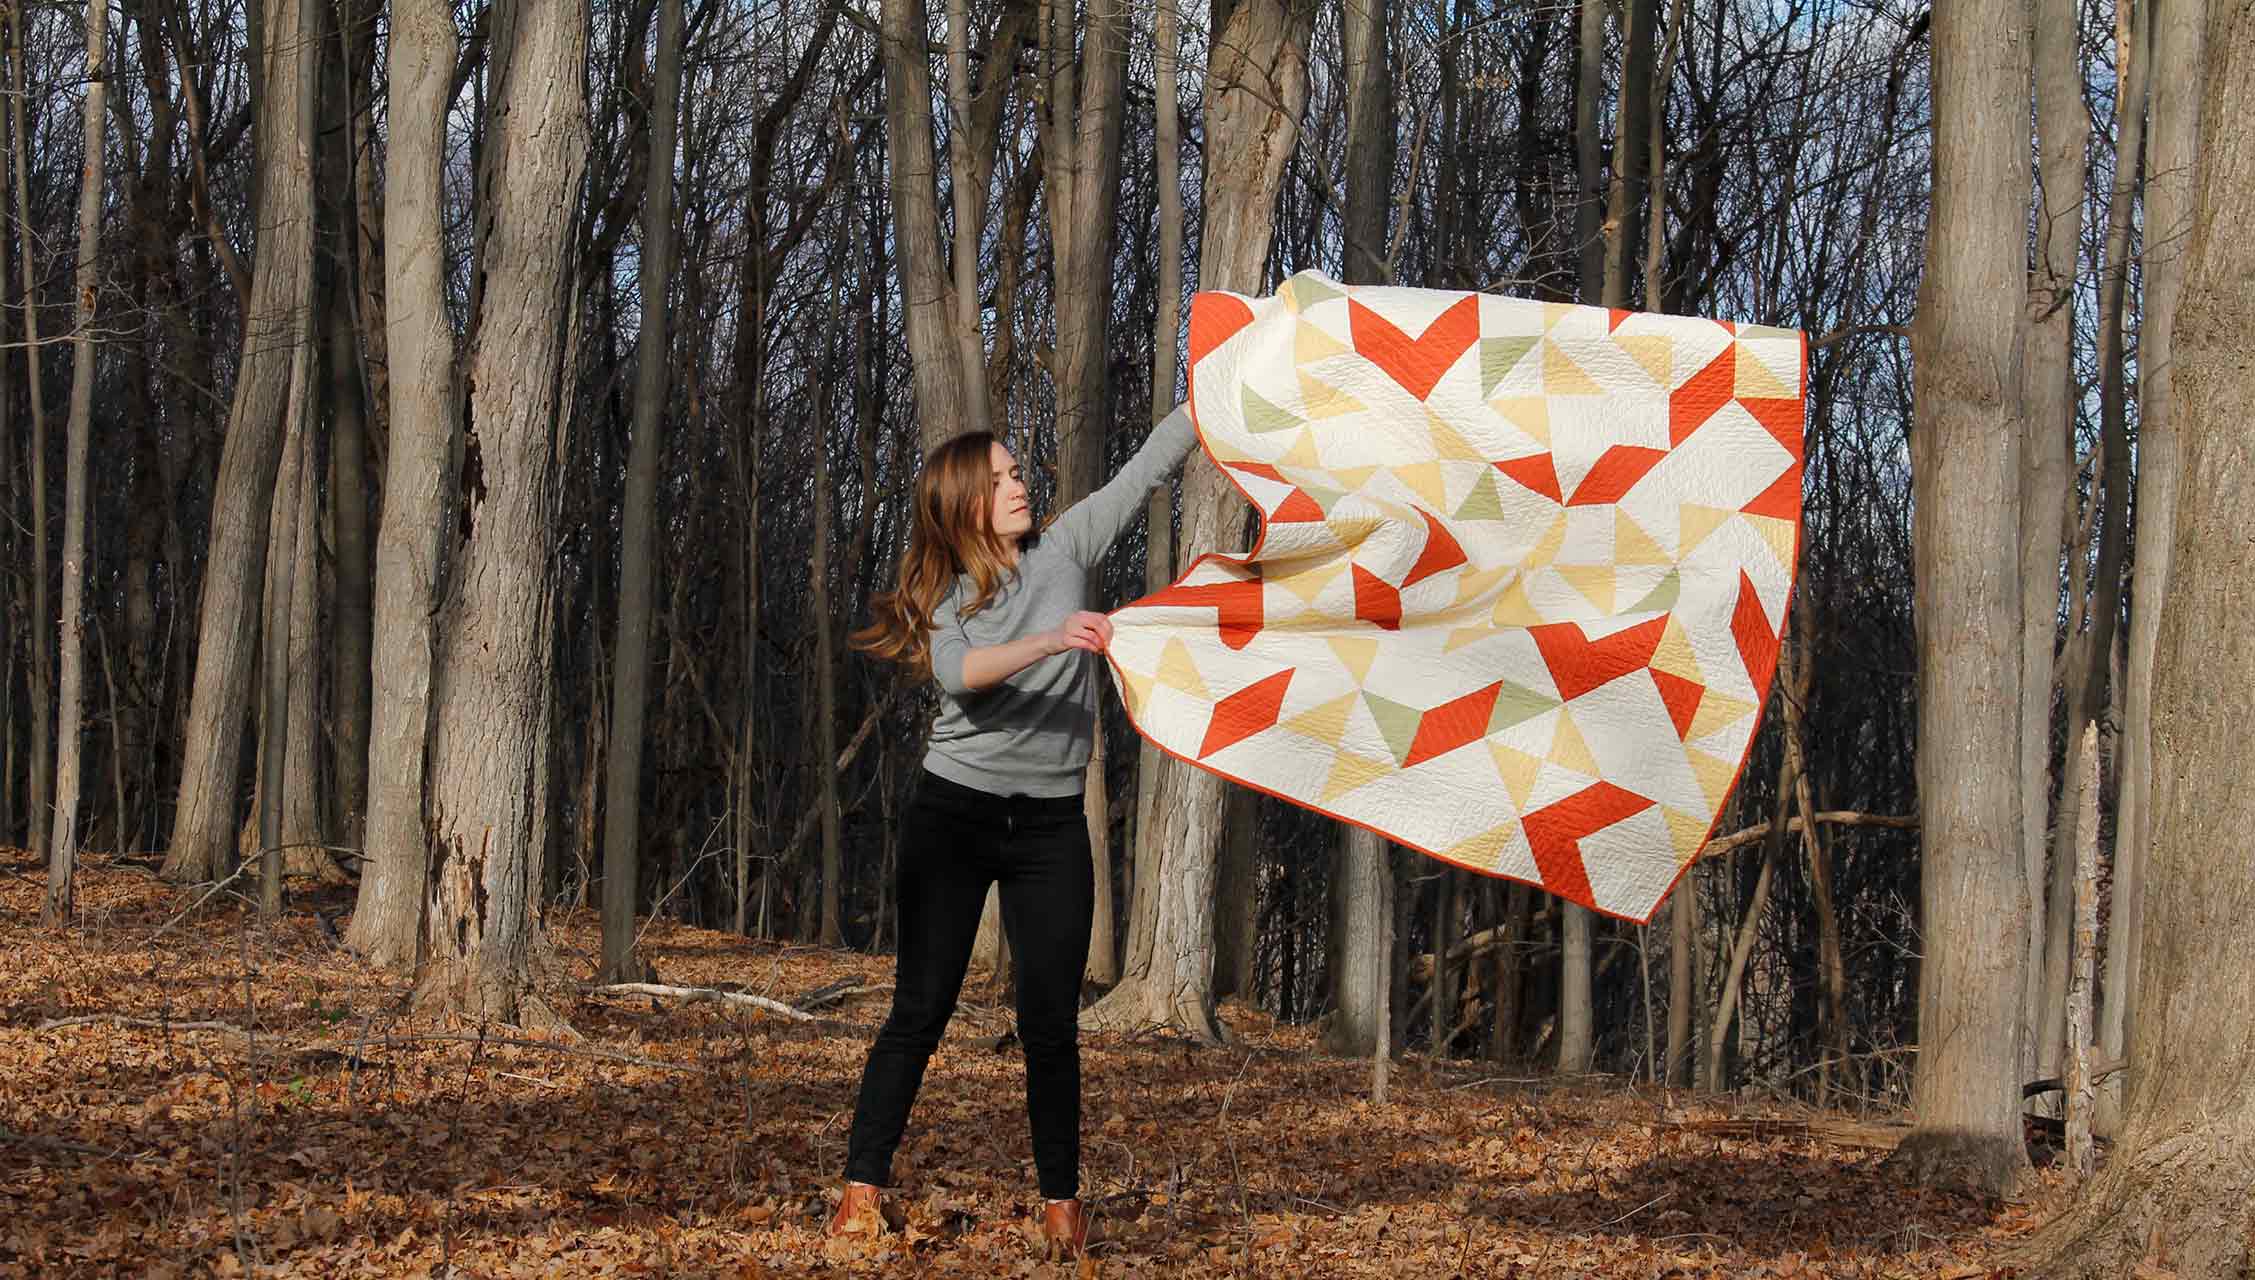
(2179, 1190)
(1258, 84)
(1360, 878)
(630, 672)
(418, 477)
(1237, 897)
(2174, 145)
(274, 324)
(62, 850)
(489, 747)
(1969, 341)
(2046, 479)
(928, 298)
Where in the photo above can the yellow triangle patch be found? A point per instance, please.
(1356, 652)
(1353, 477)
(1717, 711)
(1512, 608)
(1632, 545)
(1138, 691)
(1553, 541)
(1518, 771)
(1310, 343)
(1450, 444)
(1349, 771)
(1424, 480)
(1569, 750)
(1779, 534)
(1485, 850)
(1696, 523)
(1562, 377)
(1474, 584)
(1687, 833)
(1530, 414)
(1322, 400)
(1308, 583)
(1715, 776)
(1302, 453)
(1553, 312)
(1351, 530)
(1755, 381)
(1594, 581)
(1326, 723)
(1653, 354)
(1462, 636)
(1674, 654)
(1178, 671)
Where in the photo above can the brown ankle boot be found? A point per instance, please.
(1064, 1229)
(860, 1209)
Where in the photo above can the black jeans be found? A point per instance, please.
(956, 842)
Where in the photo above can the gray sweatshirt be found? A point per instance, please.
(1031, 734)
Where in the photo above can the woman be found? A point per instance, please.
(997, 615)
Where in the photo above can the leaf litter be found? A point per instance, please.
(309, 1125)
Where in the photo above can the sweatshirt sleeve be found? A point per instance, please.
(949, 645)
(1087, 529)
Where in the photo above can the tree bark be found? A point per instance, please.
(1969, 343)
(41, 788)
(1358, 888)
(274, 323)
(630, 671)
(62, 850)
(1577, 1033)
(489, 748)
(284, 530)
(2179, 1190)
(1257, 86)
(2046, 479)
(2173, 148)
(345, 379)
(418, 477)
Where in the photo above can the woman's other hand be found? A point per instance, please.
(1083, 630)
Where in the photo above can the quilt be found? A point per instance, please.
(1520, 579)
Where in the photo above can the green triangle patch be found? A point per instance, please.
(1516, 705)
(1662, 597)
(1307, 290)
(1260, 415)
(1482, 503)
(1396, 723)
(1497, 358)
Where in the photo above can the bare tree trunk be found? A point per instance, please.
(1237, 897)
(304, 828)
(2087, 683)
(1969, 342)
(284, 530)
(2179, 1189)
(1577, 1033)
(348, 404)
(826, 675)
(630, 674)
(489, 748)
(2176, 43)
(41, 787)
(418, 477)
(1683, 992)
(274, 324)
(2046, 482)
(1257, 86)
(1360, 881)
(62, 851)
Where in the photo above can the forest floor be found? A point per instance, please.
(324, 1131)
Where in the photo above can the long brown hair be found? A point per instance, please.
(951, 535)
